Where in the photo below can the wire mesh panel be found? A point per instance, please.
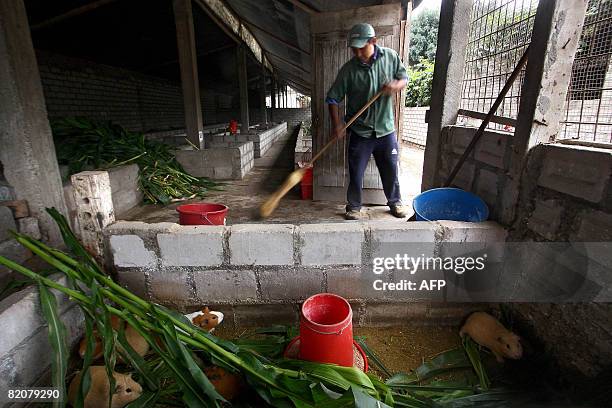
(588, 108)
(500, 32)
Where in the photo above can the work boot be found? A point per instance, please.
(398, 211)
(353, 215)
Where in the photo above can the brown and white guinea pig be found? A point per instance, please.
(134, 339)
(126, 389)
(206, 319)
(487, 331)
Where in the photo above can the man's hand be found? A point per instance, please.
(338, 131)
(393, 86)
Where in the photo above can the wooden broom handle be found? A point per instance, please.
(346, 126)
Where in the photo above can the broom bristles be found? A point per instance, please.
(268, 207)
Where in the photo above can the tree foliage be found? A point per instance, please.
(424, 36)
(418, 89)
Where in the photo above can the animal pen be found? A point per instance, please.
(227, 97)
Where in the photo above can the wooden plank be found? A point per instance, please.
(244, 89)
(18, 207)
(303, 6)
(188, 61)
(276, 37)
(377, 16)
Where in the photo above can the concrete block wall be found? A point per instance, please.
(293, 116)
(25, 356)
(414, 125)
(243, 268)
(484, 171)
(224, 160)
(303, 148)
(567, 197)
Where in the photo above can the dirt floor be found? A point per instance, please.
(401, 349)
(244, 197)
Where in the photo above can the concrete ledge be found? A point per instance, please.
(229, 160)
(25, 351)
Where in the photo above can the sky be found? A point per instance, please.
(426, 4)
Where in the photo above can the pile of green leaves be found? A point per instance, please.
(173, 375)
(420, 80)
(84, 144)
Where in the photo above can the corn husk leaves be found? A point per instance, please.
(83, 144)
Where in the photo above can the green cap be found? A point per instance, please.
(360, 34)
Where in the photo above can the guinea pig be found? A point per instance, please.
(206, 319)
(487, 331)
(134, 339)
(126, 389)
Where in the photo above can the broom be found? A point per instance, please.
(296, 176)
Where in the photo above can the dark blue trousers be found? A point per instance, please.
(386, 156)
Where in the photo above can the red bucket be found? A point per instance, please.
(306, 185)
(326, 330)
(202, 214)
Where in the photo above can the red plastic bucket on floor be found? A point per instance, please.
(326, 330)
(202, 214)
(306, 185)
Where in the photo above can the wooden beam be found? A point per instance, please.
(262, 96)
(72, 13)
(494, 119)
(200, 54)
(277, 38)
(185, 37)
(244, 89)
(305, 7)
(230, 23)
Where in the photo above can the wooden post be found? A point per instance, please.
(188, 62)
(244, 89)
(264, 115)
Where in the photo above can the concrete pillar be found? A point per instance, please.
(272, 97)
(27, 151)
(453, 37)
(95, 211)
(244, 89)
(556, 33)
(264, 114)
(188, 61)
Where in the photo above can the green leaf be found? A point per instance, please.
(57, 339)
(146, 399)
(87, 360)
(136, 361)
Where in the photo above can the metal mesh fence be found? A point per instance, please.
(588, 108)
(500, 32)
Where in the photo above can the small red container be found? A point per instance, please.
(306, 185)
(326, 330)
(202, 214)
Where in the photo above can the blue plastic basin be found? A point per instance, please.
(451, 204)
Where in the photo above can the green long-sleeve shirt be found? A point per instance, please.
(359, 82)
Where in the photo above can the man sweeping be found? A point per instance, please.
(373, 68)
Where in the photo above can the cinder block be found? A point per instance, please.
(224, 286)
(133, 280)
(595, 229)
(171, 286)
(29, 226)
(491, 149)
(14, 251)
(290, 283)
(546, 218)
(129, 252)
(582, 172)
(458, 231)
(191, 160)
(353, 283)
(261, 244)
(7, 222)
(263, 315)
(192, 246)
(465, 176)
(459, 138)
(331, 244)
(487, 187)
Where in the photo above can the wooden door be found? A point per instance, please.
(329, 33)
